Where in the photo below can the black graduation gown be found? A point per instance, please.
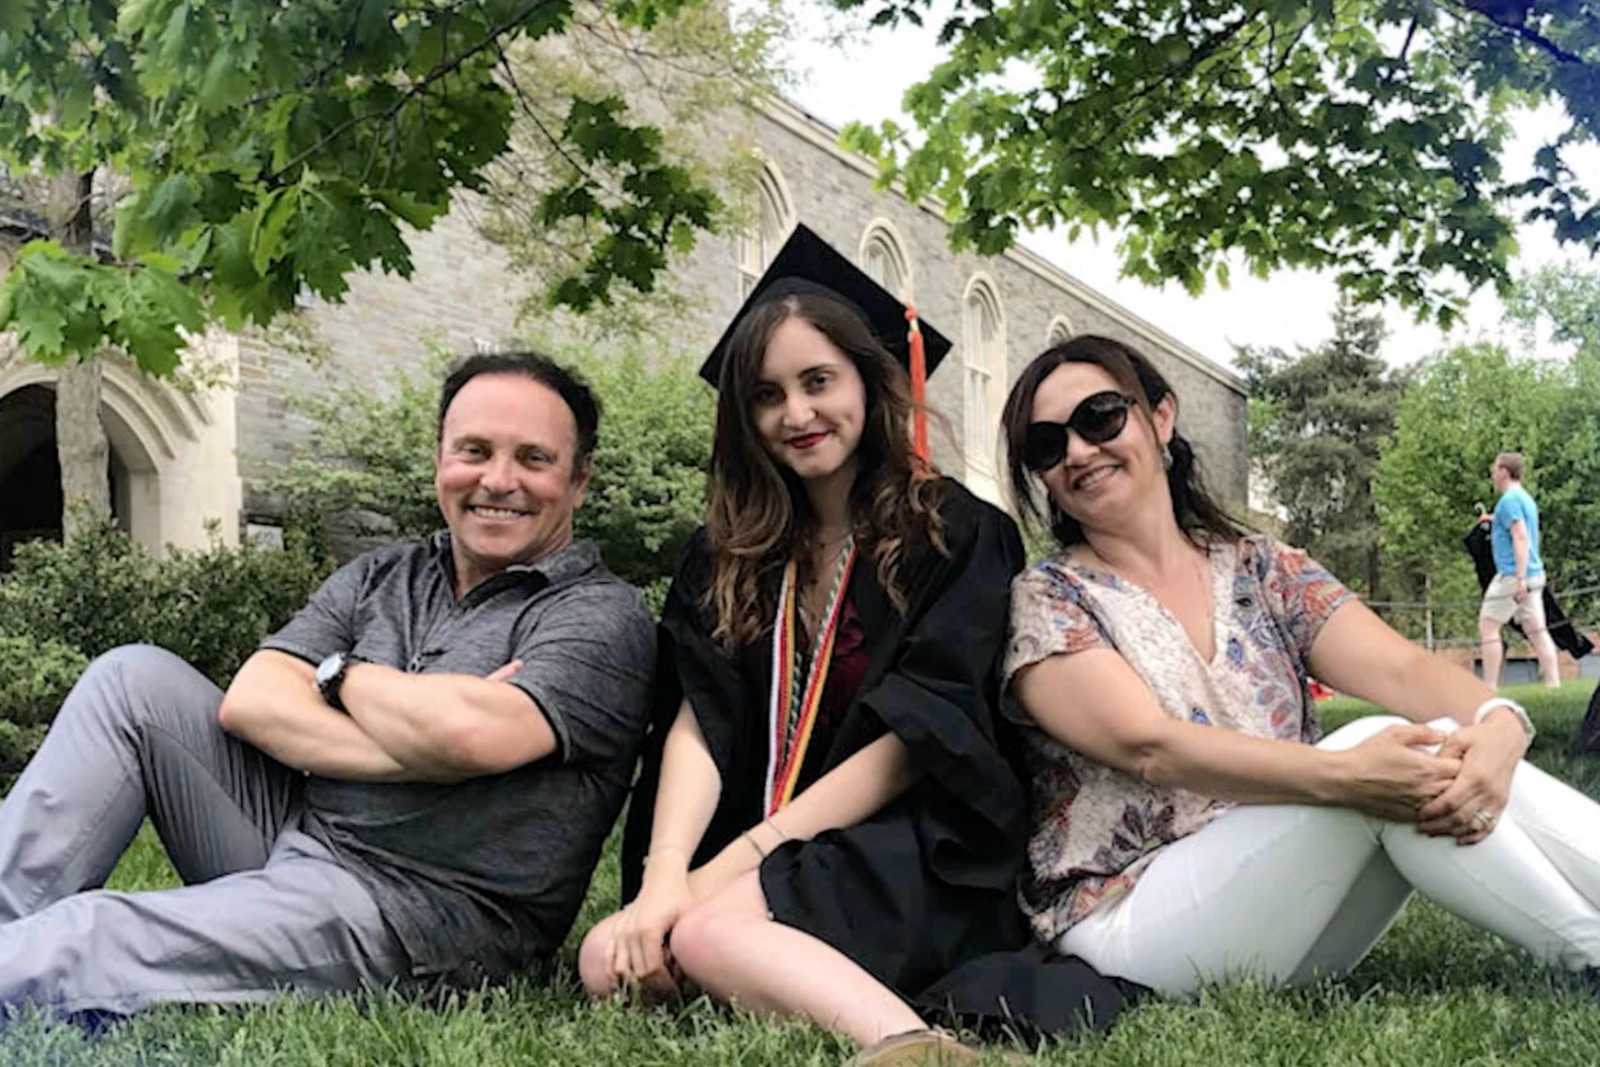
(1562, 631)
(929, 883)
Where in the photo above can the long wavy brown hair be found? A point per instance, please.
(758, 516)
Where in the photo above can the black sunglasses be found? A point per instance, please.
(1097, 419)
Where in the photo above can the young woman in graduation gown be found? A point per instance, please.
(826, 824)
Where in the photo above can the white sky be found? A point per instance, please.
(864, 79)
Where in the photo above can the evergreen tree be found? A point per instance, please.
(1317, 419)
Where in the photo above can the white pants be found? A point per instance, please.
(1282, 893)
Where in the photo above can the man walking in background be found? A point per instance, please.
(1515, 593)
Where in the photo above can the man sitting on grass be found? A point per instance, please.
(412, 780)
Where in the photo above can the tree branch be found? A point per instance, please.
(1510, 17)
(544, 131)
(320, 75)
(1205, 50)
(491, 40)
(1411, 32)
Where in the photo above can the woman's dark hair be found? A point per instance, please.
(758, 516)
(1200, 517)
(573, 391)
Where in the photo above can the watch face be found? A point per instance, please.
(329, 668)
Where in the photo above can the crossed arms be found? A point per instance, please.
(400, 727)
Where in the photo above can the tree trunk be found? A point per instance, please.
(82, 449)
(81, 444)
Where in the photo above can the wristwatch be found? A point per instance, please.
(330, 676)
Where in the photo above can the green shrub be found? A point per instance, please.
(35, 677)
(89, 595)
(211, 606)
(17, 746)
(367, 452)
(648, 491)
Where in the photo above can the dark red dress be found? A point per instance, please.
(846, 669)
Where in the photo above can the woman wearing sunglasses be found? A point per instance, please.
(1189, 827)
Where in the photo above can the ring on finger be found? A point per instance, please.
(1484, 817)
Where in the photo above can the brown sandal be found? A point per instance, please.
(917, 1048)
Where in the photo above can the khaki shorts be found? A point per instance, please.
(1500, 603)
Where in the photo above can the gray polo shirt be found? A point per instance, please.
(480, 878)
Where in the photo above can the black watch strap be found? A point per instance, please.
(330, 678)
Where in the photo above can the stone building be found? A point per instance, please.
(182, 457)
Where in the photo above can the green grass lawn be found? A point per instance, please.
(1435, 992)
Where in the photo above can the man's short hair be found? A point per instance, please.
(573, 390)
(1512, 463)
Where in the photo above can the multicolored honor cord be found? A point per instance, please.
(792, 711)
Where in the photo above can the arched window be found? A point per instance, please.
(884, 259)
(1060, 332)
(775, 220)
(984, 358)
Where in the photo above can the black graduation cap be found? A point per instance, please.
(807, 263)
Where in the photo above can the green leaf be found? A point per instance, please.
(272, 217)
(415, 214)
(176, 42)
(137, 16)
(162, 262)
(428, 52)
(372, 23)
(169, 205)
(75, 102)
(15, 16)
(225, 84)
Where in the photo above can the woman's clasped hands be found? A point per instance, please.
(1470, 808)
(1448, 784)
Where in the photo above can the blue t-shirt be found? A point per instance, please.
(1514, 504)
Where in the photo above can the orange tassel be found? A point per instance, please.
(919, 386)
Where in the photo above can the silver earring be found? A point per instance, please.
(1166, 457)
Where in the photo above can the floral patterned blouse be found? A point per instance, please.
(1095, 827)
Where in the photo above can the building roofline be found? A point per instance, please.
(16, 220)
(796, 119)
(30, 226)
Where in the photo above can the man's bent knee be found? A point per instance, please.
(139, 677)
(139, 668)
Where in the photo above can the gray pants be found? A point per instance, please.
(264, 907)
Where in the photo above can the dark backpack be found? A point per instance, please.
(1588, 736)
